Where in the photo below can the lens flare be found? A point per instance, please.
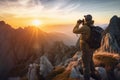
(36, 23)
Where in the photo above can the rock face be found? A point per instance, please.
(111, 38)
(110, 44)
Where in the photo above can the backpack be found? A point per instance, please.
(95, 37)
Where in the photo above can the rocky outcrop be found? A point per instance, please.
(60, 52)
(110, 44)
(32, 70)
(45, 66)
(111, 38)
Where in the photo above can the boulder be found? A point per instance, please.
(45, 66)
(117, 72)
(102, 72)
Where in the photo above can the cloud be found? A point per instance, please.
(36, 6)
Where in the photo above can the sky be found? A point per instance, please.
(57, 14)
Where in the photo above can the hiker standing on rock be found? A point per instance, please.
(87, 51)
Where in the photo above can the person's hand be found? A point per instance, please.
(79, 21)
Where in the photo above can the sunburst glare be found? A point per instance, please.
(36, 23)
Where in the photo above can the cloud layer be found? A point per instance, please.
(36, 7)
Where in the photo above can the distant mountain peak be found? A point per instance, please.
(2, 22)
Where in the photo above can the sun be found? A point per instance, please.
(36, 23)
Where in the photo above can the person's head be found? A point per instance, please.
(88, 19)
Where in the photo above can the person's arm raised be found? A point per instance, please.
(76, 29)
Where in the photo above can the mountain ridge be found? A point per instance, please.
(20, 45)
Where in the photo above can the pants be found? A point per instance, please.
(88, 65)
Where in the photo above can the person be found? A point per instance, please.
(87, 52)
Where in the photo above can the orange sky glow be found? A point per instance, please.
(56, 13)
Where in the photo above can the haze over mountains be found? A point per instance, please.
(19, 45)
